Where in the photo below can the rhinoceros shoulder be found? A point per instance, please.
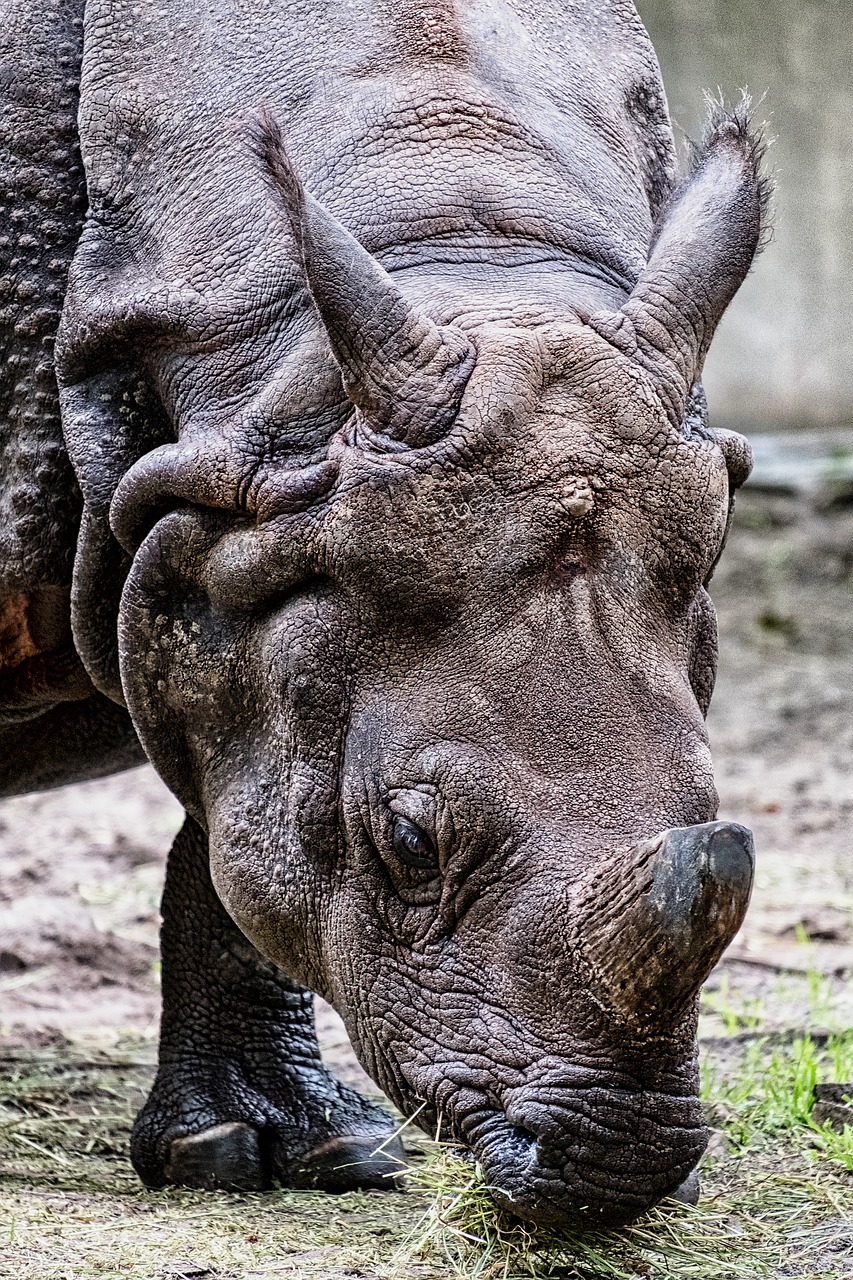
(46, 699)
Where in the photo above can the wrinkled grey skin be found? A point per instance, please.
(399, 500)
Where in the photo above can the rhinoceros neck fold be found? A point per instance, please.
(527, 285)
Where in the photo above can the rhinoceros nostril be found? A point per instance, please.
(523, 1141)
(524, 1135)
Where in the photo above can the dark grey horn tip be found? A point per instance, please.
(710, 862)
(725, 849)
(731, 853)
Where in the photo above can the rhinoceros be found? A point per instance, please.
(357, 473)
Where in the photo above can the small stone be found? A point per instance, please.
(834, 1092)
(832, 1105)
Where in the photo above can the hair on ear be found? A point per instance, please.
(736, 128)
(279, 172)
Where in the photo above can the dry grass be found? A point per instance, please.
(777, 1187)
(71, 1206)
(777, 1193)
(777, 1214)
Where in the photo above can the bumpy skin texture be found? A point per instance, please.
(380, 370)
(53, 726)
(240, 1062)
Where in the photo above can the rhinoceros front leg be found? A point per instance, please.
(241, 1095)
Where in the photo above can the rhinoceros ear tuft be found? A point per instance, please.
(703, 245)
(405, 374)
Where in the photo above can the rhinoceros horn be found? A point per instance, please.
(404, 373)
(703, 246)
(662, 917)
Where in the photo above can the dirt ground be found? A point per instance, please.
(81, 871)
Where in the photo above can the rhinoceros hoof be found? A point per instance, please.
(351, 1161)
(350, 1145)
(230, 1157)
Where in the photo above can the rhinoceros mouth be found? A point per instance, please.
(594, 1155)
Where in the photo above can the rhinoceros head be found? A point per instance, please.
(437, 694)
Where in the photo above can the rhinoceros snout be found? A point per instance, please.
(572, 1168)
(602, 1137)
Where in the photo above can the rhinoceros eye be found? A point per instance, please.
(413, 846)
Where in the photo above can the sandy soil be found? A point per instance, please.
(82, 873)
(782, 726)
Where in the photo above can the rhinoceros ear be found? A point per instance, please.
(404, 373)
(702, 248)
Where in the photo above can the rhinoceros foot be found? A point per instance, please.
(242, 1098)
(315, 1134)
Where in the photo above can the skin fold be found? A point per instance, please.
(379, 368)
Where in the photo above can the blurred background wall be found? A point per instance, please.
(783, 357)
